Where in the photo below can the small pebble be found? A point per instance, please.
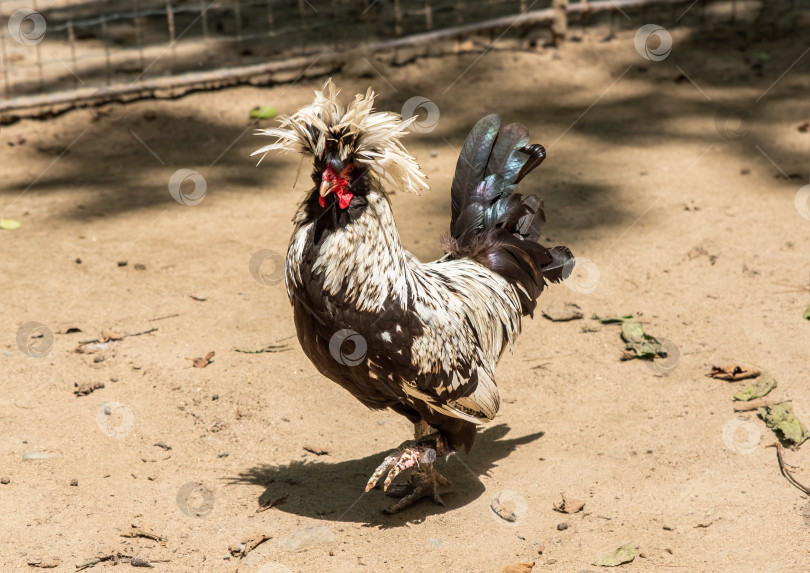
(4, 480)
(74, 482)
(562, 526)
(98, 358)
(122, 263)
(140, 267)
(215, 397)
(78, 261)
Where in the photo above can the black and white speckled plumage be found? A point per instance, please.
(433, 332)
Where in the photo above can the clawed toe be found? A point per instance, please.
(408, 455)
(399, 490)
(421, 485)
(424, 482)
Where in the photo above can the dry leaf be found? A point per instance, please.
(639, 344)
(733, 372)
(569, 505)
(107, 335)
(144, 533)
(506, 509)
(757, 389)
(243, 548)
(781, 419)
(519, 568)
(203, 362)
(316, 451)
(87, 388)
(47, 563)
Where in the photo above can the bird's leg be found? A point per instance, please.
(425, 480)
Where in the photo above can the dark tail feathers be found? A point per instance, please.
(493, 225)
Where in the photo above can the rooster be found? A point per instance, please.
(427, 336)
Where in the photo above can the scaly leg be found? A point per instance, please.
(425, 480)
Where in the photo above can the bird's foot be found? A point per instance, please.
(424, 482)
(409, 453)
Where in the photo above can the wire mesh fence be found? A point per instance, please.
(53, 45)
(59, 52)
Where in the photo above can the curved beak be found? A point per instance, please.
(326, 188)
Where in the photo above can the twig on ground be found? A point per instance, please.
(756, 404)
(146, 534)
(95, 561)
(242, 549)
(785, 472)
(124, 336)
(268, 348)
(164, 317)
(271, 504)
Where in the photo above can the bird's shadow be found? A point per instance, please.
(334, 491)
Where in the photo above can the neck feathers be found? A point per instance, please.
(361, 263)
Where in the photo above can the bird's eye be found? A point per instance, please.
(349, 169)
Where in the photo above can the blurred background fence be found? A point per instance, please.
(58, 54)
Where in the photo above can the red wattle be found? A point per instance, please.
(344, 198)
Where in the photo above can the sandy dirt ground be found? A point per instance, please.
(685, 207)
